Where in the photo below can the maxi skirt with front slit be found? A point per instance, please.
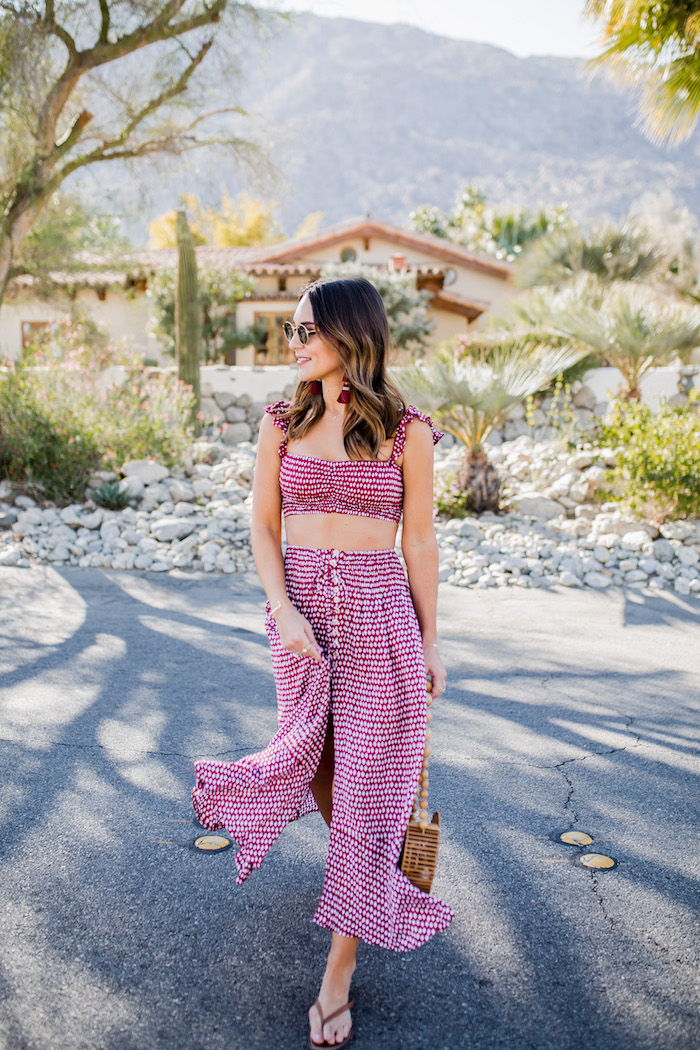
(372, 678)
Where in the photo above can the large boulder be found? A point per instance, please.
(146, 470)
(535, 505)
(167, 529)
(635, 541)
(73, 515)
(678, 530)
(584, 398)
(236, 432)
(236, 414)
(224, 399)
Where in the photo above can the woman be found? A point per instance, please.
(351, 640)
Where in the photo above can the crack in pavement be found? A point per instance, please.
(573, 814)
(637, 742)
(249, 750)
(599, 897)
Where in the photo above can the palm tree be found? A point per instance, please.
(654, 44)
(469, 391)
(631, 327)
(608, 251)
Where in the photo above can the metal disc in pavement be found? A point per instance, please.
(212, 843)
(575, 838)
(597, 861)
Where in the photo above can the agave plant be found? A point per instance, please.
(631, 327)
(469, 394)
(111, 494)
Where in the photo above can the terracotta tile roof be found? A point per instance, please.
(76, 278)
(152, 259)
(367, 227)
(289, 259)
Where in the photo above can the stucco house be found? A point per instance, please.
(465, 286)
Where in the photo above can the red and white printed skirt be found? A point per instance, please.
(372, 678)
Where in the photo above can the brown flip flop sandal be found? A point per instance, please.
(344, 1042)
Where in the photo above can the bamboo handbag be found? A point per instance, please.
(419, 855)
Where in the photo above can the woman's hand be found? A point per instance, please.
(434, 669)
(296, 633)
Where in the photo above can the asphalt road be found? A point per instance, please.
(564, 710)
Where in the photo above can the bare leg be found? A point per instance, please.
(335, 991)
(322, 784)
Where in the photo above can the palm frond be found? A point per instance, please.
(655, 45)
(631, 327)
(608, 251)
(471, 395)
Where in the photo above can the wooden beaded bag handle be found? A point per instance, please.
(419, 855)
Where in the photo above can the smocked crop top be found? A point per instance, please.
(368, 488)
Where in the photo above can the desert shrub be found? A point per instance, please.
(657, 474)
(59, 420)
(43, 446)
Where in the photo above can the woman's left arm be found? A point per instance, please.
(418, 542)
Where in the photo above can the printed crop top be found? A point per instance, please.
(364, 487)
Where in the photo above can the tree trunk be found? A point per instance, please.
(479, 478)
(16, 227)
(188, 313)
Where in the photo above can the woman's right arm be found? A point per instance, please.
(266, 539)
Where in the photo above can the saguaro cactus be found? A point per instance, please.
(188, 311)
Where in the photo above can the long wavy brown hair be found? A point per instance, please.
(349, 314)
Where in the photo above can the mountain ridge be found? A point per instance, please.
(364, 117)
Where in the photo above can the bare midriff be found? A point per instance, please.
(345, 532)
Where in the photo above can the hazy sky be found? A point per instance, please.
(525, 27)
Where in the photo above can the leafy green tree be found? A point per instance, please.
(469, 391)
(406, 306)
(219, 291)
(654, 44)
(70, 235)
(82, 83)
(499, 231)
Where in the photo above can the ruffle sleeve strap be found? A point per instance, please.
(409, 415)
(278, 411)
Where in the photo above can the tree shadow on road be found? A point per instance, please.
(122, 936)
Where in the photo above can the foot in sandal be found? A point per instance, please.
(329, 1017)
(335, 1026)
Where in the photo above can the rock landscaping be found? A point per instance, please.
(553, 533)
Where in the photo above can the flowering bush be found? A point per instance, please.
(59, 420)
(450, 500)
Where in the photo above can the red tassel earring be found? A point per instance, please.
(344, 395)
(315, 386)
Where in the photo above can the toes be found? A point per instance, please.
(315, 1025)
